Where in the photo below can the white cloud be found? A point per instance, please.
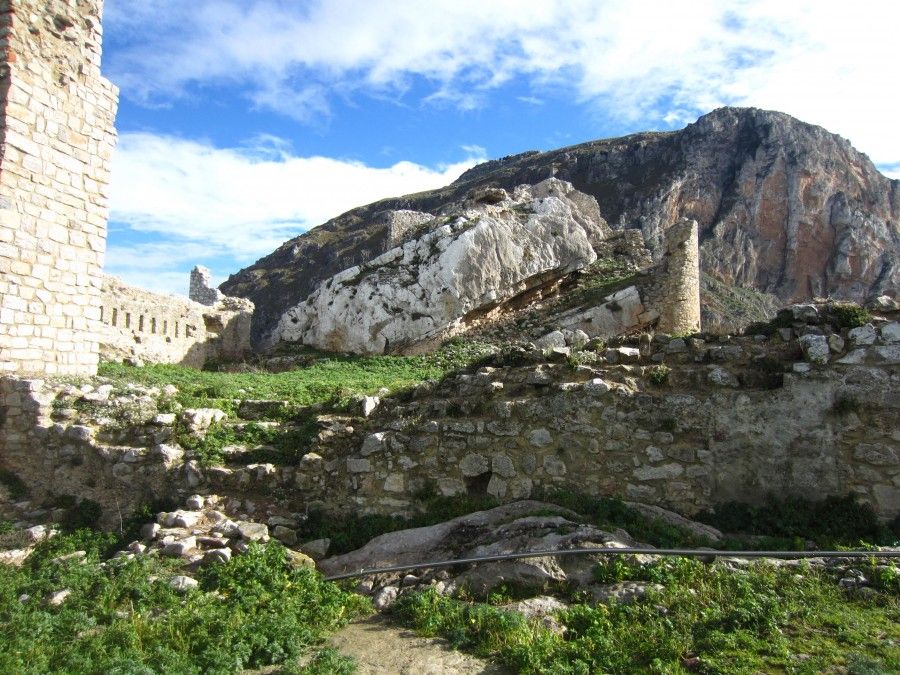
(649, 62)
(201, 202)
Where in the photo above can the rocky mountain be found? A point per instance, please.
(783, 207)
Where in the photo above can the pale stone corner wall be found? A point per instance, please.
(57, 135)
(141, 324)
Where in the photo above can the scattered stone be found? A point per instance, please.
(194, 503)
(285, 535)
(722, 378)
(316, 549)
(385, 597)
(217, 556)
(249, 531)
(57, 598)
(150, 531)
(551, 340)
(180, 548)
(815, 348)
(863, 335)
(182, 583)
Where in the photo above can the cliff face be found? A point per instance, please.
(783, 207)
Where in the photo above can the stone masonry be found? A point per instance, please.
(675, 290)
(142, 325)
(56, 139)
(201, 289)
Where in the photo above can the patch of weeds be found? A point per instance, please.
(14, 485)
(608, 512)
(849, 314)
(325, 378)
(79, 513)
(253, 612)
(709, 616)
(659, 375)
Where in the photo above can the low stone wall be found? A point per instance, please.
(140, 324)
(684, 423)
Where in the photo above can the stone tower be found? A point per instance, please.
(57, 135)
(678, 285)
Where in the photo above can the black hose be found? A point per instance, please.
(619, 551)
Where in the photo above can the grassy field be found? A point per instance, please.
(327, 378)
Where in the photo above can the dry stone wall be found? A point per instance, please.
(683, 423)
(141, 325)
(56, 139)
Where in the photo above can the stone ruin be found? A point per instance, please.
(56, 139)
(201, 289)
(140, 325)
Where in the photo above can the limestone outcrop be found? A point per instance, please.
(491, 249)
(782, 207)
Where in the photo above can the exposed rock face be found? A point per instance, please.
(782, 206)
(491, 250)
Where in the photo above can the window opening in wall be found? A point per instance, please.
(165, 327)
(176, 329)
(153, 325)
(127, 319)
(115, 316)
(101, 314)
(141, 323)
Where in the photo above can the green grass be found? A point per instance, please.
(328, 378)
(122, 616)
(707, 619)
(285, 445)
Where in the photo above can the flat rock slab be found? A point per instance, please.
(382, 648)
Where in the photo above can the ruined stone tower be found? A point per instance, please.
(677, 292)
(57, 134)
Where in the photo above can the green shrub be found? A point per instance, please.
(834, 521)
(659, 375)
(849, 315)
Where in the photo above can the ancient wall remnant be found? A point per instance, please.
(674, 290)
(140, 324)
(201, 289)
(56, 138)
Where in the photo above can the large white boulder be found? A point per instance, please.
(473, 258)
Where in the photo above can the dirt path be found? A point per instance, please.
(380, 648)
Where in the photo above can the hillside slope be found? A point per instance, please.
(783, 206)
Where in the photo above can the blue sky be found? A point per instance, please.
(245, 122)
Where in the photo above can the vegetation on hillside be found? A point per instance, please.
(700, 618)
(325, 377)
(122, 616)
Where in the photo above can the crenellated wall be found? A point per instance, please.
(57, 134)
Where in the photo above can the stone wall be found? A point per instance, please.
(680, 423)
(724, 423)
(201, 289)
(141, 325)
(56, 140)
